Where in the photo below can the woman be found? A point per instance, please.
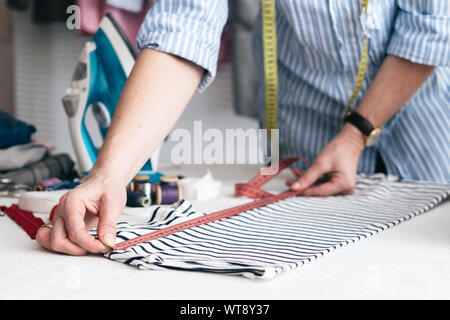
(320, 42)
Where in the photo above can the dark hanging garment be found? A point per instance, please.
(57, 166)
(50, 10)
(245, 79)
(14, 131)
(21, 5)
(44, 11)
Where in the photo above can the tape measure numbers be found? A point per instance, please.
(269, 35)
(362, 69)
(252, 189)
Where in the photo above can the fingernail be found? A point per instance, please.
(296, 185)
(106, 249)
(109, 240)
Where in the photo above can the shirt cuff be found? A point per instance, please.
(421, 39)
(197, 42)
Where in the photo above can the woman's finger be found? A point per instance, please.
(297, 172)
(43, 237)
(310, 176)
(59, 241)
(90, 221)
(322, 190)
(73, 217)
(53, 239)
(110, 211)
(333, 187)
(290, 182)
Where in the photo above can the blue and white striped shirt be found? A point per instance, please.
(320, 43)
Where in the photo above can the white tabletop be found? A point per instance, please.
(408, 261)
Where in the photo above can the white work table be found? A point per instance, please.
(408, 261)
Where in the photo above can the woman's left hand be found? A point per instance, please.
(337, 164)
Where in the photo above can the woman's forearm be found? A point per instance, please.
(156, 93)
(395, 83)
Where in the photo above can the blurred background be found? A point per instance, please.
(38, 55)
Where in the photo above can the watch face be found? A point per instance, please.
(373, 137)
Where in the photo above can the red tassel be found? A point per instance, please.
(25, 219)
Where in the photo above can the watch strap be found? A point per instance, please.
(359, 122)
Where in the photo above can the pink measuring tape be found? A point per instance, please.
(250, 189)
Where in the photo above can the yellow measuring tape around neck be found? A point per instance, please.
(269, 34)
(361, 69)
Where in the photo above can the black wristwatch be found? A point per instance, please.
(371, 134)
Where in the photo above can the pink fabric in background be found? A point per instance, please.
(92, 11)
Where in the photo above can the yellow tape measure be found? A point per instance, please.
(269, 34)
(361, 69)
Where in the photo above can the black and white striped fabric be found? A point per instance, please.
(280, 237)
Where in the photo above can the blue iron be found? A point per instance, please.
(100, 75)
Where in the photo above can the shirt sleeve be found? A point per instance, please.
(190, 29)
(422, 32)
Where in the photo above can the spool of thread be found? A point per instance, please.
(62, 185)
(167, 191)
(44, 184)
(146, 188)
(167, 179)
(142, 183)
(137, 199)
(139, 179)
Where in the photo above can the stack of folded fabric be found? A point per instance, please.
(25, 161)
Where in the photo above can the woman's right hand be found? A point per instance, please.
(98, 202)
(159, 85)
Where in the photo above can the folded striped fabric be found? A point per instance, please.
(280, 237)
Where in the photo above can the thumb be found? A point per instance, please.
(108, 215)
(309, 177)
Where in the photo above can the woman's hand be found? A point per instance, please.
(159, 85)
(394, 84)
(97, 201)
(337, 164)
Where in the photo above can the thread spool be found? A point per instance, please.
(62, 185)
(137, 199)
(146, 188)
(168, 179)
(167, 191)
(139, 179)
(142, 183)
(44, 184)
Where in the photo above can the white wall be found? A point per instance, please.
(46, 56)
